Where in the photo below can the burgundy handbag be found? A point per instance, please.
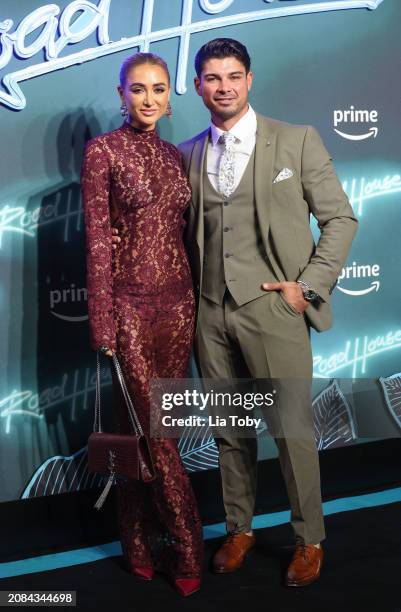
(118, 455)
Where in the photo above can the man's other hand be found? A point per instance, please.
(291, 292)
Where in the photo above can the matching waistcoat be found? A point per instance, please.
(234, 256)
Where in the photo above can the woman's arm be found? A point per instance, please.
(95, 183)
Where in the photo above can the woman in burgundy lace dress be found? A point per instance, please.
(141, 305)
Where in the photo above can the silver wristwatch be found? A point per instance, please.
(309, 294)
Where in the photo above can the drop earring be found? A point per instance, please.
(124, 110)
(169, 110)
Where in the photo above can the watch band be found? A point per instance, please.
(310, 294)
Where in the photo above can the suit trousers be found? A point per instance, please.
(265, 339)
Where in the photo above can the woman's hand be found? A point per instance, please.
(106, 351)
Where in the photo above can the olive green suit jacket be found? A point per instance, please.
(284, 209)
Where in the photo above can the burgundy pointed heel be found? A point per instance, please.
(146, 573)
(187, 586)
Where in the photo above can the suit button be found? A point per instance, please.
(225, 203)
(226, 229)
(227, 255)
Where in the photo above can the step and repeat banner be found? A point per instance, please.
(333, 64)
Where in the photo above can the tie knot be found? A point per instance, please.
(227, 139)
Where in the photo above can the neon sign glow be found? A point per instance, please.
(361, 190)
(82, 18)
(34, 405)
(355, 354)
(18, 220)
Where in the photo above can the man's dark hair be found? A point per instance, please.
(220, 48)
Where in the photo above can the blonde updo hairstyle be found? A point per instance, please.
(139, 59)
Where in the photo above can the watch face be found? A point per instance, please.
(310, 296)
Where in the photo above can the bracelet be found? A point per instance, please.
(302, 282)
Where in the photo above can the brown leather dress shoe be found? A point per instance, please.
(305, 565)
(232, 553)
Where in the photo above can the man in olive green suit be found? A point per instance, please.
(261, 284)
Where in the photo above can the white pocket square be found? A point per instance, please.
(284, 174)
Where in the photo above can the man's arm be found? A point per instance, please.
(330, 205)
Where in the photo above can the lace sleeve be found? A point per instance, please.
(95, 183)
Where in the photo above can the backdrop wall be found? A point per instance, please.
(332, 64)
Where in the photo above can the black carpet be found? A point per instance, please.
(361, 571)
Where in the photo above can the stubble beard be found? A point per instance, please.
(225, 114)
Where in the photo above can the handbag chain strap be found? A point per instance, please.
(97, 424)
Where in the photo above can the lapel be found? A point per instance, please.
(196, 180)
(263, 178)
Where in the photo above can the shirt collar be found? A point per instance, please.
(244, 128)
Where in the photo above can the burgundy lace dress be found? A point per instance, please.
(141, 304)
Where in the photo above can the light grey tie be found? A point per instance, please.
(227, 165)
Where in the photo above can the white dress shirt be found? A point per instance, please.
(245, 133)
